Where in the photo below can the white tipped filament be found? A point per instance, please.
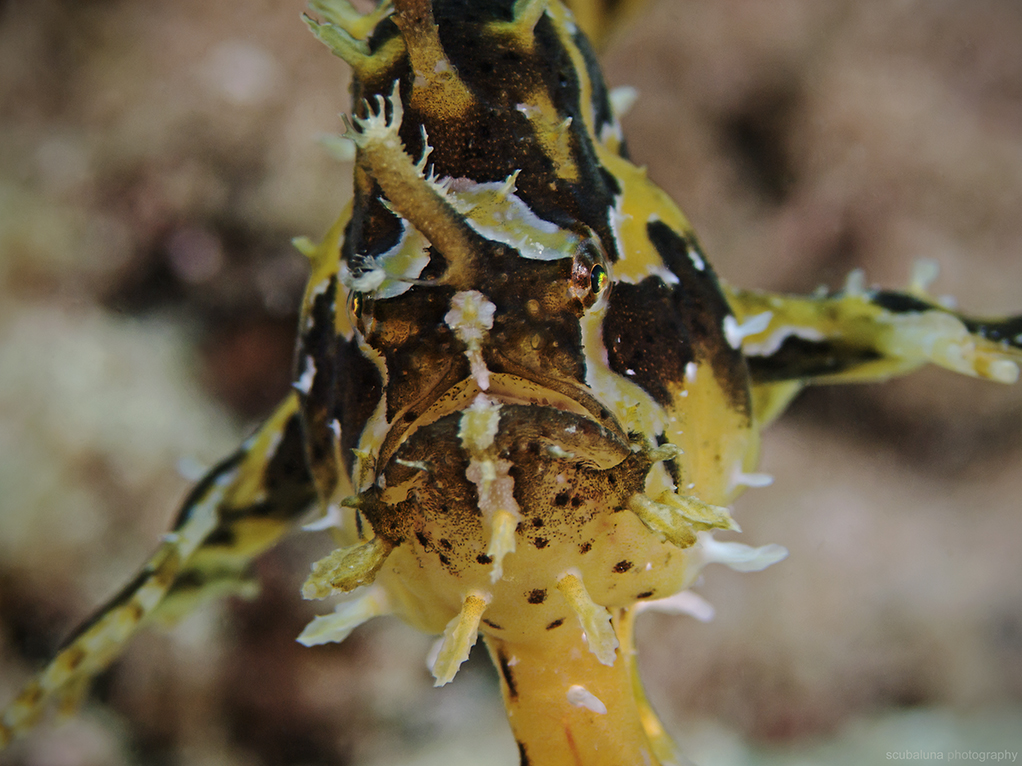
(595, 619)
(459, 638)
(502, 541)
(334, 628)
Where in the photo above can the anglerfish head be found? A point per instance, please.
(479, 259)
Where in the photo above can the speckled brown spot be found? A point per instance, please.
(135, 610)
(31, 695)
(73, 657)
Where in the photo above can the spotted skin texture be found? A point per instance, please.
(522, 398)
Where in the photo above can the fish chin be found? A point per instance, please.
(561, 483)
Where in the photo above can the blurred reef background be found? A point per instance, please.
(156, 158)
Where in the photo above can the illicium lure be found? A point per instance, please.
(522, 398)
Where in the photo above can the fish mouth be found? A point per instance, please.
(516, 391)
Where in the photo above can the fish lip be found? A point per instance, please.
(579, 393)
(504, 388)
(566, 435)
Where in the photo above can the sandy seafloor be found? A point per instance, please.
(157, 157)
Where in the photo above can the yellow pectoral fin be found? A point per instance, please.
(228, 519)
(859, 335)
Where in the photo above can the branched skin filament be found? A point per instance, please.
(523, 401)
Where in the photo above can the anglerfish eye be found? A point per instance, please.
(360, 311)
(590, 274)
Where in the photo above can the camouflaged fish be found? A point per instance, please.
(523, 401)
